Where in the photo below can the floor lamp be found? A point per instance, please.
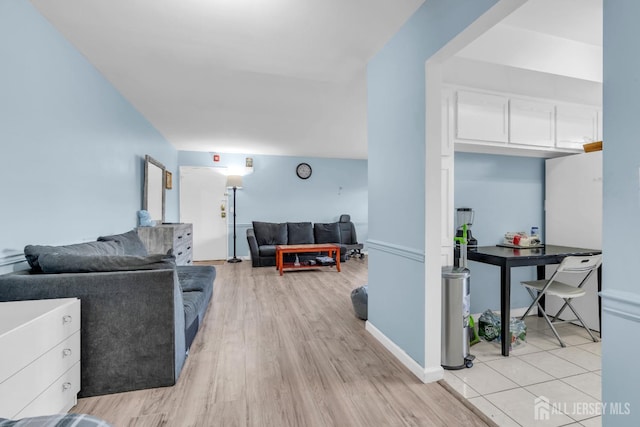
(235, 182)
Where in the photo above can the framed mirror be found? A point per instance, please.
(154, 189)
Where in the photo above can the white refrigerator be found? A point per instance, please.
(573, 217)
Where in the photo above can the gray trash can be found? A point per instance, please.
(455, 318)
(360, 300)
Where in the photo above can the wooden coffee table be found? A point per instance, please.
(331, 250)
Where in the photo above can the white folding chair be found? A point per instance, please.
(584, 265)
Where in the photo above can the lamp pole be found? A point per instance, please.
(234, 259)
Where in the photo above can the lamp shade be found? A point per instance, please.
(234, 181)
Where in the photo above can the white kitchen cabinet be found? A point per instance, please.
(573, 217)
(40, 369)
(576, 125)
(509, 124)
(481, 117)
(531, 123)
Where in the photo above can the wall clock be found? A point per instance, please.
(303, 170)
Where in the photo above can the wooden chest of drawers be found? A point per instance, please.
(40, 360)
(165, 237)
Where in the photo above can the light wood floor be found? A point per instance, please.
(286, 351)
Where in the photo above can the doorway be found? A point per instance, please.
(203, 203)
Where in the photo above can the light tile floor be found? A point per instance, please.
(506, 388)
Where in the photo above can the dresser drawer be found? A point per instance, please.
(177, 238)
(58, 398)
(23, 387)
(183, 249)
(28, 341)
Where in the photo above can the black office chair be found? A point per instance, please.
(348, 237)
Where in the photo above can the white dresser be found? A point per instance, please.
(39, 357)
(175, 237)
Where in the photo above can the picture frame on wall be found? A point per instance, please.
(168, 180)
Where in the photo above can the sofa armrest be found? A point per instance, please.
(253, 248)
(132, 324)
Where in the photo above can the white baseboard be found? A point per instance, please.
(426, 375)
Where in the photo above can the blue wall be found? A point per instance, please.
(396, 136)
(621, 293)
(274, 193)
(72, 147)
(507, 194)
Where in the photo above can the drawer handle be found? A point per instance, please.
(66, 352)
(66, 386)
(66, 319)
(179, 253)
(188, 234)
(188, 247)
(179, 237)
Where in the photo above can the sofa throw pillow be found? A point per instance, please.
(299, 233)
(33, 252)
(68, 263)
(326, 232)
(131, 243)
(270, 233)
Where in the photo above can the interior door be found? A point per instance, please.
(204, 204)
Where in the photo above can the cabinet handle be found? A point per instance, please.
(66, 319)
(66, 352)
(179, 253)
(188, 234)
(179, 237)
(188, 247)
(66, 386)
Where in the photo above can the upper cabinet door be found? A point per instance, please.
(531, 123)
(576, 125)
(481, 117)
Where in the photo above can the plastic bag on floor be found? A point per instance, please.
(489, 325)
(518, 332)
(489, 328)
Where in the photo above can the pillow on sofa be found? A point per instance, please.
(326, 233)
(33, 252)
(68, 263)
(131, 242)
(270, 233)
(299, 233)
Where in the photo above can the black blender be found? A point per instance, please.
(464, 216)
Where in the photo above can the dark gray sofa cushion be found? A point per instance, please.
(33, 252)
(270, 233)
(131, 243)
(326, 232)
(192, 305)
(195, 277)
(299, 233)
(267, 250)
(65, 263)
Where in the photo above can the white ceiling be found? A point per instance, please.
(559, 37)
(283, 77)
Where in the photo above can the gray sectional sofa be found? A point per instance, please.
(139, 312)
(265, 236)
